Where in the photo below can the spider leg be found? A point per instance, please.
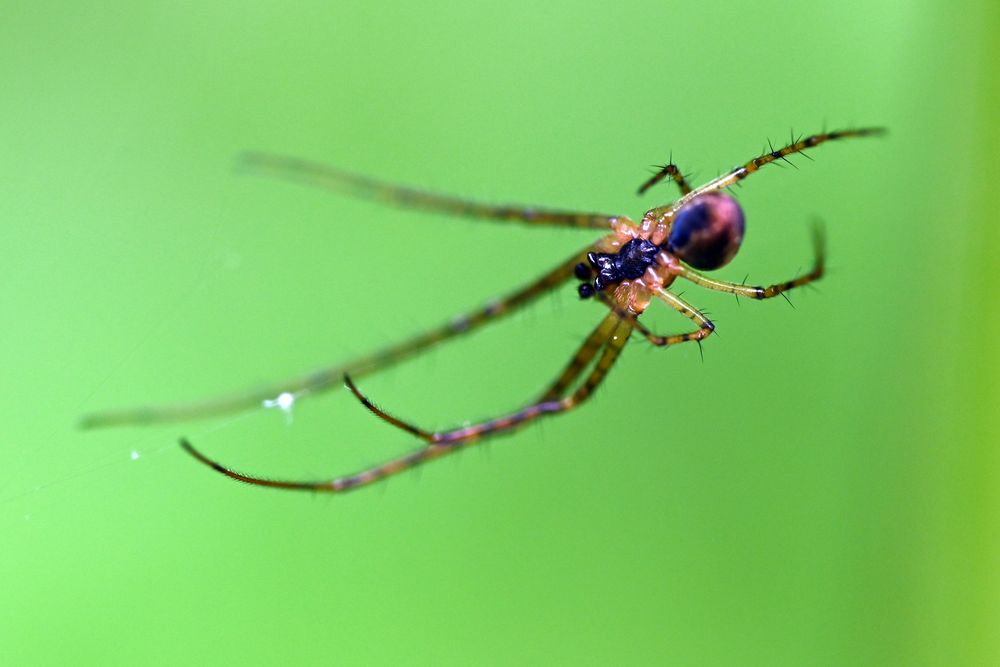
(741, 172)
(602, 337)
(705, 325)
(345, 182)
(670, 169)
(584, 355)
(617, 332)
(765, 292)
(327, 378)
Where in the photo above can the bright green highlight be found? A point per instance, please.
(822, 490)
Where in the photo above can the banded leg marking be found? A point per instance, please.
(741, 172)
(769, 291)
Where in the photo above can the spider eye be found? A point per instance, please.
(707, 232)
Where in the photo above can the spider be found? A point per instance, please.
(624, 271)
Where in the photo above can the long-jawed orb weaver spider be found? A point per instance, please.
(624, 270)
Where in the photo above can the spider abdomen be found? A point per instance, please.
(707, 232)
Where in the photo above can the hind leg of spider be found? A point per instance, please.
(327, 378)
(670, 169)
(449, 441)
(705, 325)
(769, 291)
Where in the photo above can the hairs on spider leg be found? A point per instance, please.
(803, 153)
(784, 158)
(770, 149)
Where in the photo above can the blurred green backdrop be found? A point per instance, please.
(821, 490)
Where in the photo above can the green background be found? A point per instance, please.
(821, 490)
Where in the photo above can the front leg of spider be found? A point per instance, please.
(669, 169)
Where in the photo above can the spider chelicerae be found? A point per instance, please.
(624, 270)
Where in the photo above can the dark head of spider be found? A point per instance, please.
(705, 234)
